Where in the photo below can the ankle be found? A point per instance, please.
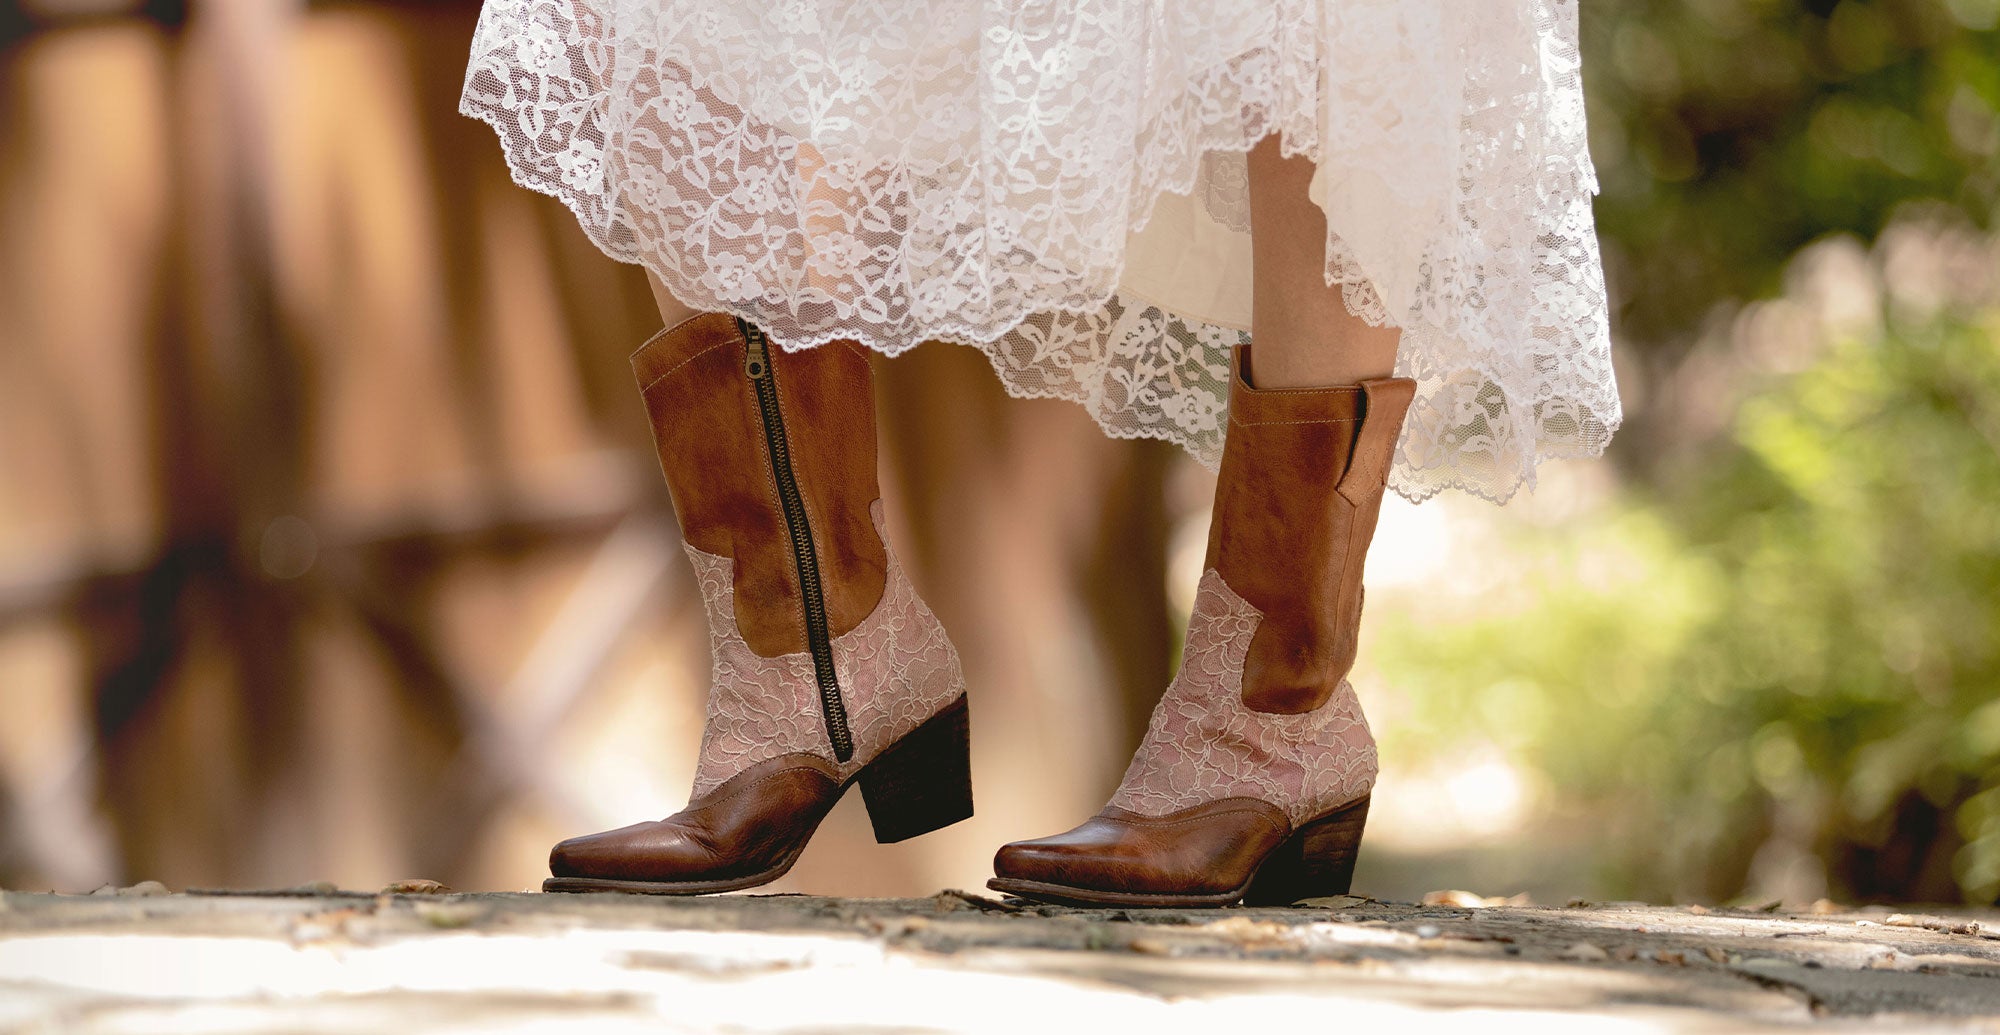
(1292, 369)
(1318, 343)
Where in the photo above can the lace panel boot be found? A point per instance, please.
(1252, 781)
(827, 668)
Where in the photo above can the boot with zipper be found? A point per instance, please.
(828, 669)
(1252, 781)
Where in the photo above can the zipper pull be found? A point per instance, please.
(756, 352)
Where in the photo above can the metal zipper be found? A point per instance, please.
(757, 367)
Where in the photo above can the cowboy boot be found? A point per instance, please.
(828, 669)
(1252, 781)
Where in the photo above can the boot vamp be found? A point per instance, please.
(753, 823)
(1205, 744)
(1212, 848)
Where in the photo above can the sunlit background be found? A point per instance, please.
(332, 547)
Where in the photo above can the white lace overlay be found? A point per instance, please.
(1203, 745)
(895, 171)
(896, 670)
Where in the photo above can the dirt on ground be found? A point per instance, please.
(416, 957)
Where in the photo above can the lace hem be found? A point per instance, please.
(1502, 305)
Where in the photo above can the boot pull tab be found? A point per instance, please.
(1385, 401)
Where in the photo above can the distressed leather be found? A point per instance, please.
(1212, 849)
(709, 432)
(754, 823)
(1296, 501)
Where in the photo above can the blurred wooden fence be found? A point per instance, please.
(331, 544)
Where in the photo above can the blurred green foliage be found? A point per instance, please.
(1730, 133)
(1796, 650)
(1783, 655)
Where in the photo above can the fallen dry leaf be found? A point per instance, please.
(1460, 899)
(1334, 902)
(1945, 925)
(416, 886)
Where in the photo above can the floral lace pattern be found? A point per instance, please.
(895, 171)
(896, 670)
(1203, 745)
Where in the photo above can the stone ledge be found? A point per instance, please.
(325, 960)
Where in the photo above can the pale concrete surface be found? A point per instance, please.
(321, 961)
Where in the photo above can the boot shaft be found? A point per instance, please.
(1296, 501)
(744, 430)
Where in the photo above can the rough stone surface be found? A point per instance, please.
(314, 959)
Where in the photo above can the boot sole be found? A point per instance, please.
(1064, 895)
(647, 887)
(1316, 861)
(921, 783)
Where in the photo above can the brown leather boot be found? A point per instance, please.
(1252, 782)
(828, 669)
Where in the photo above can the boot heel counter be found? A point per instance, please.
(948, 676)
(1370, 766)
(898, 666)
(926, 674)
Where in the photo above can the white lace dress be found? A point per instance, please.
(1061, 184)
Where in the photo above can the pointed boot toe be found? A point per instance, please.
(606, 854)
(1047, 860)
(580, 856)
(650, 853)
(1203, 856)
(747, 832)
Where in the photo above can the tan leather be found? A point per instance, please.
(756, 822)
(1208, 850)
(1296, 501)
(710, 436)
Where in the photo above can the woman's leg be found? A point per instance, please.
(1305, 336)
(672, 312)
